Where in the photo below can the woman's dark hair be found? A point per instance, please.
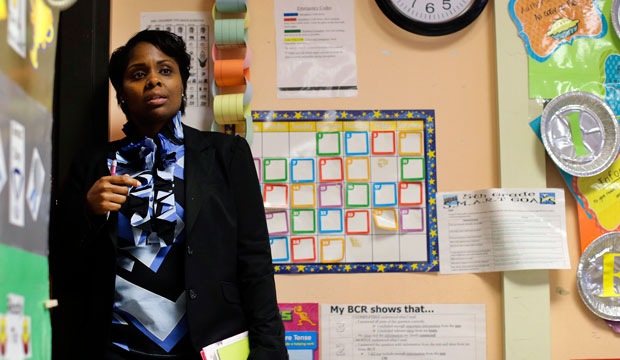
(167, 42)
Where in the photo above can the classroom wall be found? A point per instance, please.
(455, 76)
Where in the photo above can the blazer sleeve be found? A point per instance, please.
(255, 269)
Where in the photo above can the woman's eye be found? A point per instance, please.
(166, 71)
(138, 75)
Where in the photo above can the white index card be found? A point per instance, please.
(411, 143)
(303, 195)
(277, 222)
(331, 169)
(330, 220)
(358, 169)
(36, 182)
(303, 249)
(302, 170)
(17, 173)
(328, 143)
(332, 249)
(279, 249)
(275, 169)
(330, 195)
(356, 143)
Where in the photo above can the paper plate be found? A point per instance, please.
(580, 133)
(590, 280)
(615, 7)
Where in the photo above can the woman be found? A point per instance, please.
(171, 247)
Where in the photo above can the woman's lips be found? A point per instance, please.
(158, 100)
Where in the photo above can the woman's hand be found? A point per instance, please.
(109, 193)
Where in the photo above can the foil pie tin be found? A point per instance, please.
(598, 141)
(615, 7)
(590, 277)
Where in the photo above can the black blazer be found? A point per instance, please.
(228, 271)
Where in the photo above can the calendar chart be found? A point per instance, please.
(348, 190)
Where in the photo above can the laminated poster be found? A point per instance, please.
(348, 190)
(301, 326)
(567, 42)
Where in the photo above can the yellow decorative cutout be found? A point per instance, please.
(602, 196)
(609, 275)
(42, 21)
(3, 14)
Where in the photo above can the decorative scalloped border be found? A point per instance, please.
(428, 116)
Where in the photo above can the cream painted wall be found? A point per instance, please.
(455, 76)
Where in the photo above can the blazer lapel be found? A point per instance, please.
(198, 162)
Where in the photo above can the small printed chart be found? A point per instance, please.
(348, 191)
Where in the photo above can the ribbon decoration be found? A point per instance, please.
(231, 109)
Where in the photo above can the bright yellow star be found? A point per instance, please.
(347, 268)
(430, 118)
(387, 116)
(277, 268)
(434, 252)
(256, 116)
(430, 154)
(298, 115)
(288, 268)
(431, 181)
(330, 267)
(431, 201)
(431, 130)
(409, 115)
(285, 115)
(380, 268)
(301, 268)
(414, 266)
(344, 114)
(433, 233)
(376, 114)
(401, 266)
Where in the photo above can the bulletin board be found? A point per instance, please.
(455, 75)
(348, 190)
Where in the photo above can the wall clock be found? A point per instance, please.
(432, 17)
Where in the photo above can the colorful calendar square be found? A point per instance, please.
(332, 250)
(357, 222)
(330, 220)
(358, 195)
(412, 219)
(328, 143)
(330, 195)
(330, 169)
(303, 249)
(384, 194)
(412, 169)
(410, 193)
(383, 142)
(411, 143)
(358, 169)
(277, 222)
(279, 249)
(274, 170)
(302, 170)
(275, 196)
(303, 221)
(303, 195)
(356, 143)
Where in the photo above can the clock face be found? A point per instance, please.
(432, 11)
(432, 17)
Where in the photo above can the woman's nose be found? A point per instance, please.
(153, 81)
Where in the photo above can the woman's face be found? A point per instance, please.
(152, 88)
